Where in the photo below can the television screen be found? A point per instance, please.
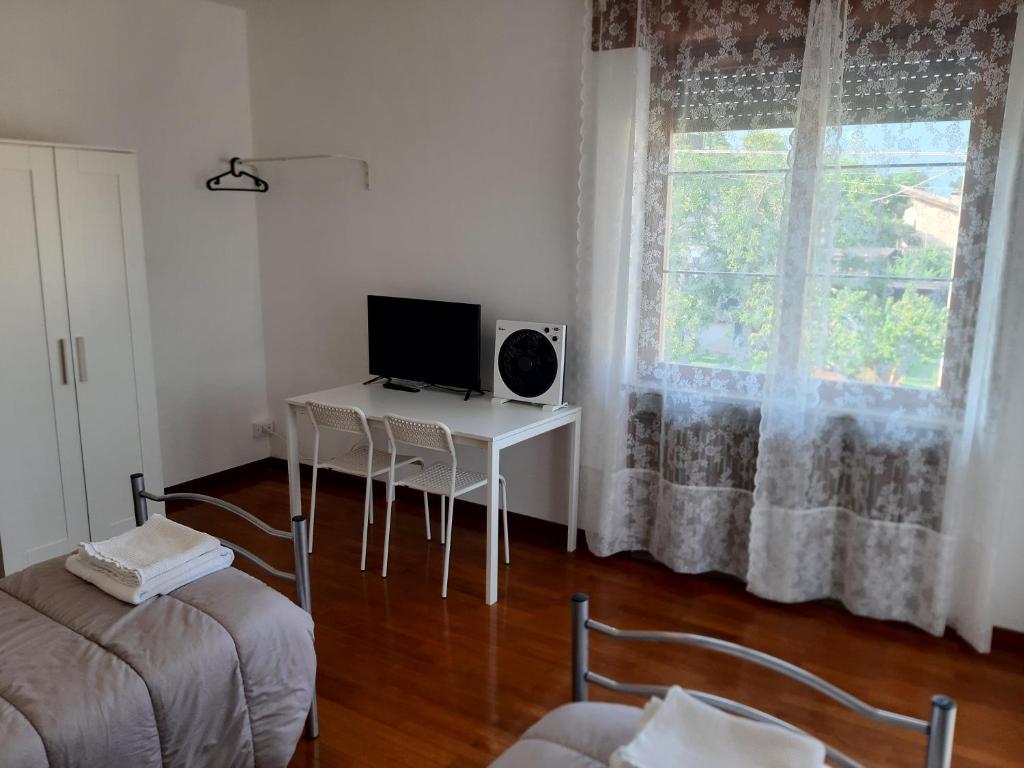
(434, 342)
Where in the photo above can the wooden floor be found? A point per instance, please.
(406, 678)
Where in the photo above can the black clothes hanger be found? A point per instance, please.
(214, 184)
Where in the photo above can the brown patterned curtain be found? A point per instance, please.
(778, 328)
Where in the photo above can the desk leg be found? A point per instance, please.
(574, 484)
(294, 482)
(493, 470)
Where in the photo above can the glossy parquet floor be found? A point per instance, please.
(406, 678)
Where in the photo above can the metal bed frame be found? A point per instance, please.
(939, 730)
(298, 536)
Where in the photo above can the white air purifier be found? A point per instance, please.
(529, 363)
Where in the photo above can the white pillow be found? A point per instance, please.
(683, 732)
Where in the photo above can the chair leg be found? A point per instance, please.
(504, 515)
(387, 533)
(426, 513)
(444, 500)
(312, 509)
(448, 547)
(371, 501)
(367, 511)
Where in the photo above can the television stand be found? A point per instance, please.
(389, 384)
(374, 380)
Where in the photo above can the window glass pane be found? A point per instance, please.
(731, 150)
(886, 331)
(899, 191)
(898, 188)
(717, 320)
(727, 193)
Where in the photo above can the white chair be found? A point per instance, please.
(445, 480)
(361, 460)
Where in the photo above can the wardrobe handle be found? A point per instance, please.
(62, 350)
(80, 354)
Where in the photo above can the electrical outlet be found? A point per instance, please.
(263, 428)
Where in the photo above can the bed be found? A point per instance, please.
(584, 734)
(220, 672)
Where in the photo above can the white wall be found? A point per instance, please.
(468, 112)
(168, 78)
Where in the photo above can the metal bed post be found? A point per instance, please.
(940, 733)
(138, 500)
(300, 545)
(300, 533)
(580, 648)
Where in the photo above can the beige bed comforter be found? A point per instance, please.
(218, 673)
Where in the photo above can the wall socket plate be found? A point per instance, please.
(262, 428)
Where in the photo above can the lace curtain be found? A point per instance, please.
(784, 228)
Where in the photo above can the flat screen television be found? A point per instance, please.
(433, 342)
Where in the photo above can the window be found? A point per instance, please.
(894, 174)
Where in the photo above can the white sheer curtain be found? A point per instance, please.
(986, 486)
(784, 227)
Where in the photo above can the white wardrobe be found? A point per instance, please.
(77, 396)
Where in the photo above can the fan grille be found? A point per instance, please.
(528, 363)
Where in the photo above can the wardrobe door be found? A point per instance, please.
(105, 272)
(42, 493)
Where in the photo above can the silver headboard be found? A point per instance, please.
(297, 535)
(300, 552)
(939, 731)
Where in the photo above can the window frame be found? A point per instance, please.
(952, 381)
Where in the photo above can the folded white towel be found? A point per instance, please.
(140, 555)
(168, 581)
(683, 732)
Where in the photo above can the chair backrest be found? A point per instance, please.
(432, 435)
(339, 418)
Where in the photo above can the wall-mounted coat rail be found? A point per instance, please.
(260, 185)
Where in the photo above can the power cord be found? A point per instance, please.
(453, 390)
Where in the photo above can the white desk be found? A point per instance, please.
(477, 422)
